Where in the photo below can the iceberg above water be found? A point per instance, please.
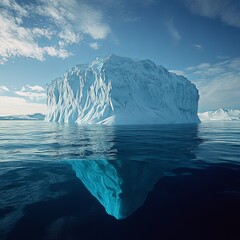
(220, 115)
(117, 90)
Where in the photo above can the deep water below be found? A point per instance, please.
(65, 181)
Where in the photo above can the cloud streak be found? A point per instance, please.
(19, 106)
(225, 10)
(33, 93)
(30, 99)
(57, 25)
(94, 45)
(4, 89)
(173, 30)
(35, 88)
(198, 47)
(218, 83)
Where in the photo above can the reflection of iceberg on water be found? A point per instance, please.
(120, 186)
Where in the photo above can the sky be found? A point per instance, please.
(41, 39)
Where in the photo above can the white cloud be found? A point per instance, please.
(29, 99)
(13, 5)
(218, 84)
(173, 30)
(4, 89)
(225, 10)
(35, 88)
(31, 95)
(198, 47)
(204, 66)
(16, 40)
(94, 45)
(54, 52)
(34, 93)
(19, 106)
(75, 16)
(69, 37)
(221, 92)
(41, 32)
(60, 22)
(178, 72)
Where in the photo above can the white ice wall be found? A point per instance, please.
(117, 90)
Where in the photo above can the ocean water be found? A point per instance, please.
(64, 181)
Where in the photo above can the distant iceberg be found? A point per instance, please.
(117, 90)
(35, 116)
(220, 115)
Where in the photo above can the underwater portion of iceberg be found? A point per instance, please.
(121, 165)
(120, 186)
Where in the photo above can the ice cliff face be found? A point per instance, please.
(117, 90)
(220, 115)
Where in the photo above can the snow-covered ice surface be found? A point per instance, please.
(35, 116)
(117, 90)
(220, 115)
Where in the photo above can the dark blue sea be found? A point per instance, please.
(71, 182)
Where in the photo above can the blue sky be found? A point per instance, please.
(41, 39)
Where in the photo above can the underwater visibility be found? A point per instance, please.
(65, 181)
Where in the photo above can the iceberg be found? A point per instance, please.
(119, 90)
(220, 115)
(120, 186)
(35, 116)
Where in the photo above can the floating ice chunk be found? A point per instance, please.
(220, 115)
(117, 90)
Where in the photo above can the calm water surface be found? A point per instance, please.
(62, 181)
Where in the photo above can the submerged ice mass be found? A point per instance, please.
(117, 90)
(120, 165)
(120, 186)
